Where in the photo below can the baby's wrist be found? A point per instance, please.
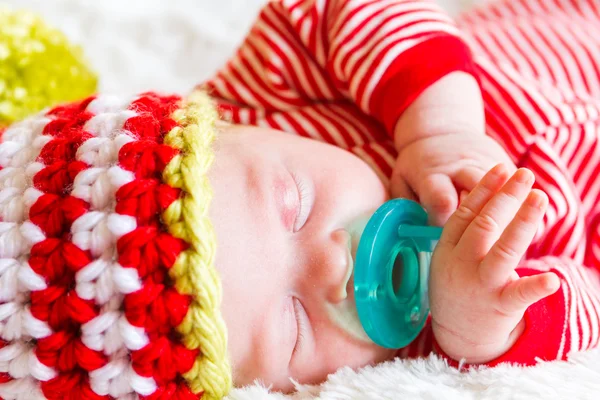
(439, 110)
(458, 348)
(493, 352)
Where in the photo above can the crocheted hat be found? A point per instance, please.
(107, 280)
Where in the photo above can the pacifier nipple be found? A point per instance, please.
(342, 289)
(356, 229)
(343, 313)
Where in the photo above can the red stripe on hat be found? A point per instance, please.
(146, 158)
(153, 119)
(4, 377)
(58, 177)
(146, 200)
(55, 214)
(157, 306)
(57, 259)
(73, 386)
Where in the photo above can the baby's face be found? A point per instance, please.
(281, 205)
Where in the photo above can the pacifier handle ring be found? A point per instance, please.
(406, 288)
(425, 232)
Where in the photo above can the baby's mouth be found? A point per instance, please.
(345, 316)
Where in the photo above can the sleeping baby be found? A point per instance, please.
(161, 247)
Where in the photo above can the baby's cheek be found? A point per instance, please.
(336, 349)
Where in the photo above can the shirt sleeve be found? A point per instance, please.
(379, 54)
(565, 322)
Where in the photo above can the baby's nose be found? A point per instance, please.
(337, 266)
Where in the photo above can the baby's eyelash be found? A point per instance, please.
(302, 325)
(305, 198)
(304, 193)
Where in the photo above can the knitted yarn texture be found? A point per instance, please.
(38, 67)
(107, 281)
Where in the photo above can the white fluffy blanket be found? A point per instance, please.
(171, 45)
(432, 379)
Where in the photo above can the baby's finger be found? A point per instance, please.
(468, 177)
(486, 227)
(506, 253)
(463, 196)
(523, 292)
(399, 188)
(438, 196)
(473, 204)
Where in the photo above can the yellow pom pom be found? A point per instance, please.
(38, 67)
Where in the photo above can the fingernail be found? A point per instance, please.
(523, 176)
(535, 200)
(552, 284)
(499, 172)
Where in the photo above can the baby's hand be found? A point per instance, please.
(439, 168)
(477, 298)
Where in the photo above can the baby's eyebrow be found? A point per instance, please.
(256, 186)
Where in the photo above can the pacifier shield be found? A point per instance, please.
(392, 271)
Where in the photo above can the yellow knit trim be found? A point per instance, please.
(194, 271)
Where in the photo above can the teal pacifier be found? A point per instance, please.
(391, 273)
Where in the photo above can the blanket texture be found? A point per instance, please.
(138, 45)
(433, 379)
